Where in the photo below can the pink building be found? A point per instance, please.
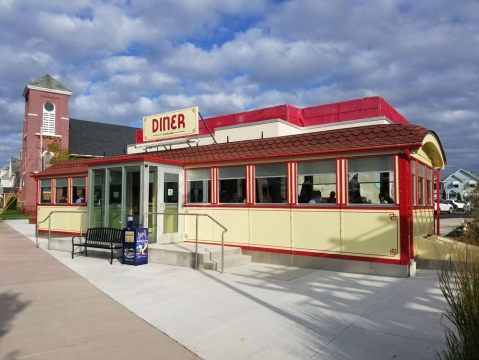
(46, 119)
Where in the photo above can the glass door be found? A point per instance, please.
(170, 192)
(170, 196)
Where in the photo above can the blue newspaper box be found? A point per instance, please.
(135, 246)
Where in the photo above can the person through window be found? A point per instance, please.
(80, 197)
(385, 199)
(332, 198)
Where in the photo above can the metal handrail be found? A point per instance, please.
(196, 238)
(49, 218)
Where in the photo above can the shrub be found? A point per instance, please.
(459, 283)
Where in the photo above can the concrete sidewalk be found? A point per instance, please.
(49, 312)
(273, 312)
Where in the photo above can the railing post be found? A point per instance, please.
(36, 234)
(222, 251)
(49, 228)
(196, 244)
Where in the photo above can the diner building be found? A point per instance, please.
(346, 186)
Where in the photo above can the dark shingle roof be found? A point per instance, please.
(47, 82)
(363, 138)
(93, 138)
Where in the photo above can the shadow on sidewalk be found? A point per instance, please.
(10, 306)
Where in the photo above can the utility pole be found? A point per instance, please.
(41, 148)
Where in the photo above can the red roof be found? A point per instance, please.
(370, 107)
(364, 138)
(375, 137)
(74, 167)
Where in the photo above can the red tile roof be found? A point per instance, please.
(374, 137)
(74, 167)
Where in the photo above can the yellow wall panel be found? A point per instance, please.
(205, 225)
(270, 227)
(237, 223)
(423, 222)
(316, 230)
(65, 221)
(370, 233)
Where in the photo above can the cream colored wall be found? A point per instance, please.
(369, 233)
(373, 232)
(440, 248)
(67, 222)
(423, 222)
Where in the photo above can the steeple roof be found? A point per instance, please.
(48, 83)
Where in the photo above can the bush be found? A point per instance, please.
(459, 283)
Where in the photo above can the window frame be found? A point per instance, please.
(391, 183)
(72, 190)
(208, 187)
(40, 192)
(284, 202)
(245, 195)
(323, 196)
(65, 192)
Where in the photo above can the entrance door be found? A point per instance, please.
(166, 227)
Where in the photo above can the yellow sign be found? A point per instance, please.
(176, 123)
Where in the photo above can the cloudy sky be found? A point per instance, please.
(126, 59)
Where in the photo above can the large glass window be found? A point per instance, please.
(317, 182)
(45, 191)
(61, 191)
(420, 186)
(114, 206)
(78, 190)
(232, 185)
(271, 183)
(98, 182)
(371, 180)
(198, 184)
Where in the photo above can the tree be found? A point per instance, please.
(59, 154)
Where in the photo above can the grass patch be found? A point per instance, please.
(12, 214)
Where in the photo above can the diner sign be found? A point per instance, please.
(176, 123)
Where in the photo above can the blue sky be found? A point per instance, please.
(126, 59)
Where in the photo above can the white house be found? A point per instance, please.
(459, 184)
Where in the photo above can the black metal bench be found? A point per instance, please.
(99, 238)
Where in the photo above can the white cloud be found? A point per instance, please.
(123, 60)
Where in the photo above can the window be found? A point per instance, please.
(232, 185)
(78, 190)
(48, 124)
(420, 186)
(414, 184)
(270, 181)
(61, 191)
(317, 182)
(45, 191)
(198, 184)
(430, 182)
(371, 181)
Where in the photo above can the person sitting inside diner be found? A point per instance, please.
(80, 198)
(332, 198)
(385, 199)
(316, 199)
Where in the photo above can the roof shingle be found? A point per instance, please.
(323, 142)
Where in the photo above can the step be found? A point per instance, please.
(228, 251)
(230, 262)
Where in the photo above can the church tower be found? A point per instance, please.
(45, 121)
